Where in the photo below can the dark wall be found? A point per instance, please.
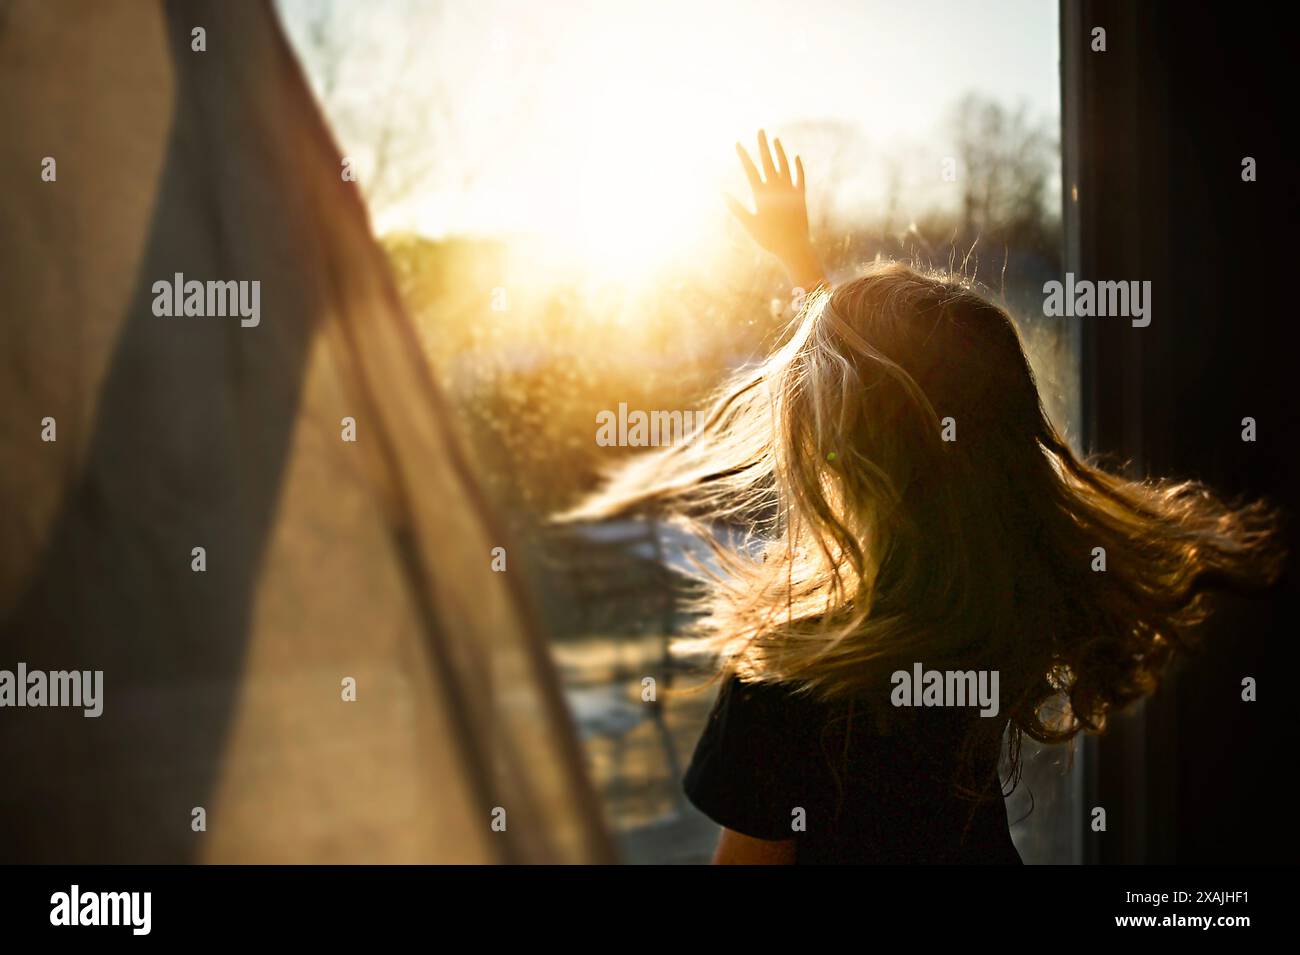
(1155, 130)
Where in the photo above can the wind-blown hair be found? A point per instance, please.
(875, 542)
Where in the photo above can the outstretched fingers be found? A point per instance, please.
(775, 170)
(782, 164)
(765, 156)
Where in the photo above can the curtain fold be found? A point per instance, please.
(326, 560)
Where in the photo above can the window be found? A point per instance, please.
(546, 179)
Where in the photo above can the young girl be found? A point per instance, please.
(913, 513)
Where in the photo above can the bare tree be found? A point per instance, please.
(1006, 161)
(394, 103)
(839, 149)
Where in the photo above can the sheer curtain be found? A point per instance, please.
(328, 563)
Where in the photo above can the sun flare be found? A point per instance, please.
(603, 133)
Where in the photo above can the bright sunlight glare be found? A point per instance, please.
(602, 133)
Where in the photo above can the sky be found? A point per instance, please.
(608, 127)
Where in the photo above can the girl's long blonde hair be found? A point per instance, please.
(907, 500)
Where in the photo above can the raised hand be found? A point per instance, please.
(780, 222)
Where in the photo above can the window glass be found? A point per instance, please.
(547, 181)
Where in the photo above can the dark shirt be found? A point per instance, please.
(871, 792)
